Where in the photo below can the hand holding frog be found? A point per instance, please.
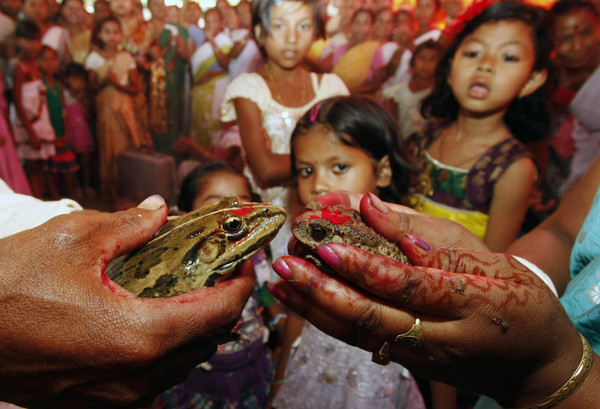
(488, 323)
(72, 339)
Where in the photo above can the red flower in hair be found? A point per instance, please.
(458, 24)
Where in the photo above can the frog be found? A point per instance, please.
(320, 224)
(198, 249)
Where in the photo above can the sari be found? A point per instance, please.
(207, 95)
(355, 65)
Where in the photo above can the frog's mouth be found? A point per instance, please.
(299, 249)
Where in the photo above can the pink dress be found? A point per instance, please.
(11, 170)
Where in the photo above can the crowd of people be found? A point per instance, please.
(482, 115)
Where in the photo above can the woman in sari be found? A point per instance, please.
(360, 63)
(209, 68)
(80, 35)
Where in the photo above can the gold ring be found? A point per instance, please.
(413, 337)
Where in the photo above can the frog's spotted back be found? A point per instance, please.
(198, 249)
(337, 224)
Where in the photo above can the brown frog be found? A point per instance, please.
(337, 224)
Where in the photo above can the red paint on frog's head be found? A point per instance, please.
(335, 216)
(244, 210)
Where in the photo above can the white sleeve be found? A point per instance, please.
(21, 212)
(545, 278)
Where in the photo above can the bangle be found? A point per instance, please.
(275, 320)
(582, 371)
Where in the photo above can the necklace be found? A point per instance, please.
(276, 88)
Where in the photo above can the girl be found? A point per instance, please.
(63, 163)
(241, 373)
(490, 90)
(113, 76)
(403, 101)
(33, 132)
(78, 126)
(344, 143)
(267, 104)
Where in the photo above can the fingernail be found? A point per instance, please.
(328, 256)
(278, 292)
(419, 243)
(153, 202)
(378, 204)
(282, 269)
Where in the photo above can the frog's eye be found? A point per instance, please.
(318, 233)
(234, 225)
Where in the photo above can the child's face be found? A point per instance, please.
(110, 34)
(493, 66)
(577, 39)
(218, 185)
(425, 11)
(75, 84)
(48, 62)
(425, 62)
(29, 48)
(292, 33)
(324, 164)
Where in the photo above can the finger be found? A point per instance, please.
(341, 310)
(198, 315)
(491, 265)
(425, 290)
(340, 197)
(395, 221)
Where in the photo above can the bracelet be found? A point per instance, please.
(582, 371)
(275, 320)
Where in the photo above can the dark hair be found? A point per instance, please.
(563, 7)
(193, 183)
(528, 117)
(261, 16)
(98, 27)
(46, 48)
(362, 123)
(426, 45)
(27, 30)
(75, 70)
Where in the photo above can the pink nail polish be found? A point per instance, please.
(419, 243)
(378, 204)
(328, 256)
(282, 269)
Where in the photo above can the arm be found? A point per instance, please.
(509, 204)
(549, 245)
(19, 80)
(270, 168)
(293, 329)
(133, 86)
(222, 58)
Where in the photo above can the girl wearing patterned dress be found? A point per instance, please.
(267, 104)
(489, 95)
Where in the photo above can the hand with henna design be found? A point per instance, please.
(71, 338)
(488, 323)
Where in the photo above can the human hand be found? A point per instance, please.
(488, 323)
(71, 338)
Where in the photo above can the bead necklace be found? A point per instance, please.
(276, 88)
